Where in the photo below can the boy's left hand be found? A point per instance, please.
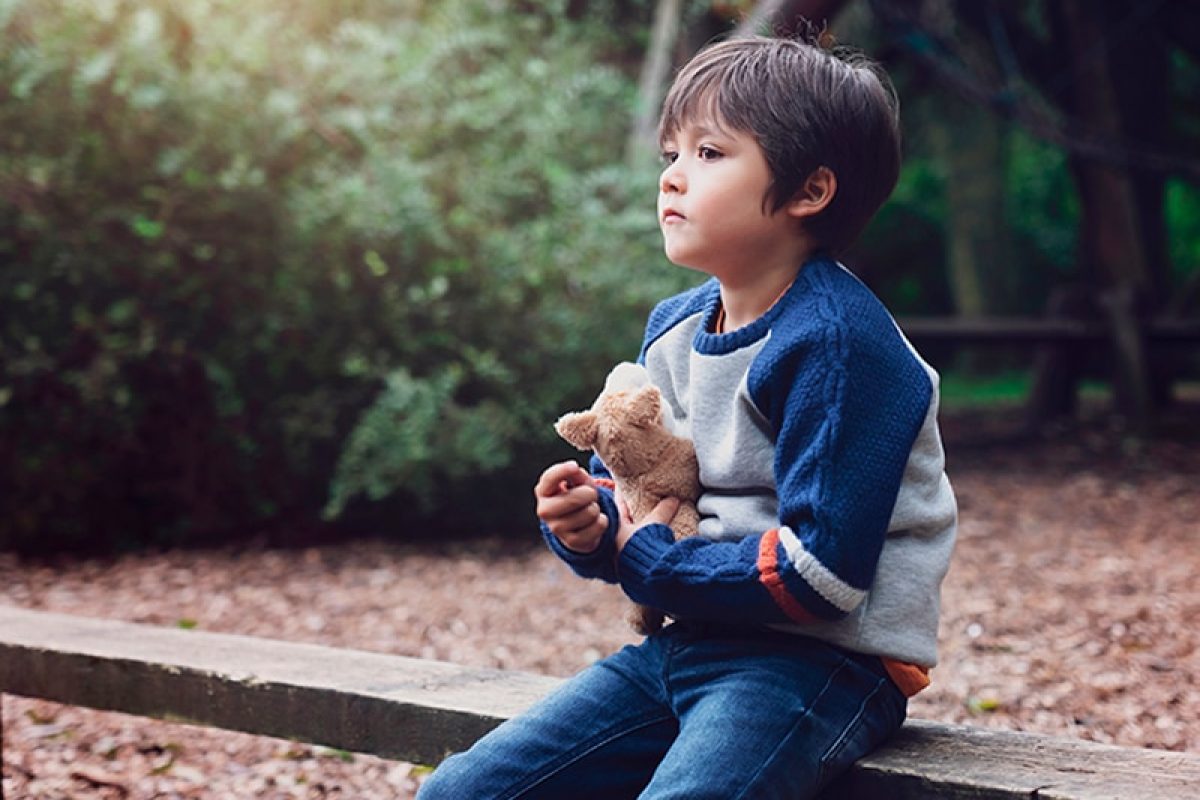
(662, 514)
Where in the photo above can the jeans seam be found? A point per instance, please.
(842, 739)
(597, 743)
(669, 652)
(752, 782)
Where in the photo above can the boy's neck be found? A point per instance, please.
(744, 301)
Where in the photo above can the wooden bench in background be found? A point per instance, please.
(1023, 331)
(1143, 356)
(417, 710)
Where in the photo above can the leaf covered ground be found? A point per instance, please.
(1070, 609)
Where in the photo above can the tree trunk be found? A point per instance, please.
(767, 15)
(655, 70)
(1112, 238)
(1058, 367)
(969, 141)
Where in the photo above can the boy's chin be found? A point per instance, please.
(686, 263)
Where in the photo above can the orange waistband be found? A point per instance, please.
(910, 678)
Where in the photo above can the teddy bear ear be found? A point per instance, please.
(626, 376)
(580, 429)
(646, 406)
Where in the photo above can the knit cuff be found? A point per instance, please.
(599, 562)
(639, 556)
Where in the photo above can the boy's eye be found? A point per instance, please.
(668, 157)
(706, 153)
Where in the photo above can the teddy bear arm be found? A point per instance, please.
(686, 521)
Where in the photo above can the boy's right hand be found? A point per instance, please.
(568, 502)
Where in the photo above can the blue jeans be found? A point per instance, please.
(695, 711)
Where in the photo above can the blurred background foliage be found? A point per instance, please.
(261, 259)
(289, 269)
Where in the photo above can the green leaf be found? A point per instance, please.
(375, 263)
(147, 228)
(345, 756)
(122, 311)
(983, 705)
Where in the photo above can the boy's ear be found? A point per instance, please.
(580, 429)
(814, 195)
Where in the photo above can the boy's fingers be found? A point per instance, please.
(623, 507)
(579, 520)
(562, 505)
(551, 481)
(594, 531)
(584, 538)
(662, 513)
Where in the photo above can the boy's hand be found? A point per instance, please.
(568, 502)
(662, 513)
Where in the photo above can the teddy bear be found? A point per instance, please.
(627, 429)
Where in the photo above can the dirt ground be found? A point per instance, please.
(1071, 608)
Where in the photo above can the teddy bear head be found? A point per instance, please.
(625, 426)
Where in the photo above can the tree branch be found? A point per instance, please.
(1059, 129)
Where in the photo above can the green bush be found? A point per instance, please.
(260, 260)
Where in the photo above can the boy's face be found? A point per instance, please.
(711, 203)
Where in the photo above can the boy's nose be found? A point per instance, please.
(671, 179)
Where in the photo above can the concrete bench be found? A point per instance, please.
(418, 710)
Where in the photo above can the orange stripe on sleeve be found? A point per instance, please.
(769, 577)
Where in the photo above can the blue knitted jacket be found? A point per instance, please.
(825, 509)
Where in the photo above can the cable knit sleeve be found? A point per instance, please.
(845, 427)
(843, 398)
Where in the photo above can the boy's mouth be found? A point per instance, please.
(671, 215)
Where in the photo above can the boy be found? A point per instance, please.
(806, 609)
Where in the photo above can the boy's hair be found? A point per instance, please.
(807, 107)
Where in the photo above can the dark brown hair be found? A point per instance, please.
(807, 107)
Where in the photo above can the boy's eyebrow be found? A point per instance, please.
(698, 129)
